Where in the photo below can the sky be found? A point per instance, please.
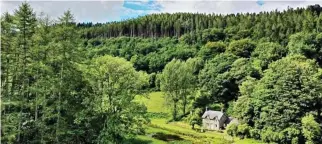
(106, 11)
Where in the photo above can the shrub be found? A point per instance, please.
(243, 130)
(268, 135)
(311, 129)
(255, 133)
(290, 135)
(232, 129)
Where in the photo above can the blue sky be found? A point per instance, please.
(106, 10)
(145, 7)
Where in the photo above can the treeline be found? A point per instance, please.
(274, 24)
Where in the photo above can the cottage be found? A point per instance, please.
(214, 120)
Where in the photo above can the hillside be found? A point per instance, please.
(150, 79)
(175, 25)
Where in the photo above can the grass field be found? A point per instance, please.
(154, 102)
(161, 132)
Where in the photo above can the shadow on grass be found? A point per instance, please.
(166, 137)
(138, 141)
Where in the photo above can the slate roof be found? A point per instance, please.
(213, 114)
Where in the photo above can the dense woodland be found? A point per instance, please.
(68, 82)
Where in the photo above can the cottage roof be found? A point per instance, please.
(213, 114)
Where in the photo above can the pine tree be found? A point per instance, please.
(9, 119)
(25, 23)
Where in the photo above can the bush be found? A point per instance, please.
(194, 118)
(255, 133)
(311, 129)
(243, 130)
(268, 135)
(290, 135)
(232, 129)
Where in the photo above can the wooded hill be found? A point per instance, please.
(63, 82)
(274, 24)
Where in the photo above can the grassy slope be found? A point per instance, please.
(155, 104)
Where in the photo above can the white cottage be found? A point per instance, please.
(214, 120)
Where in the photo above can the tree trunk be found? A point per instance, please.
(175, 112)
(59, 101)
(36, 102)
(23, 79)
(184, 104)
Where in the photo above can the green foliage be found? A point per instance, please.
(268, 52)
(244, 109)
(241, 68)
(195, 64)
(311, 129)
(211, 49)
(278, 100)
(269, 135)
(177, 83)
(211, 35)
(195, 117)
(213, 80)
(307, 44)
(242, 48)
(232, 129)
(255, 133)
(115, 83)
(221, 76)
(290, 135)
(243, 130)
(230, 109)
(194, 28)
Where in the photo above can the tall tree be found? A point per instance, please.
(25, 23)
(176, 81)
(41, 75)
(64, 57)
(114, 83)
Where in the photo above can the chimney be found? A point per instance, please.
(222, 110)
(206, 108)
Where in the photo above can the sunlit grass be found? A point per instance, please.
(154, 102)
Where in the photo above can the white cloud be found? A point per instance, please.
(96, 11)
(225, 7)
(103, 11)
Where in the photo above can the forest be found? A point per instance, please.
(69, 82)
